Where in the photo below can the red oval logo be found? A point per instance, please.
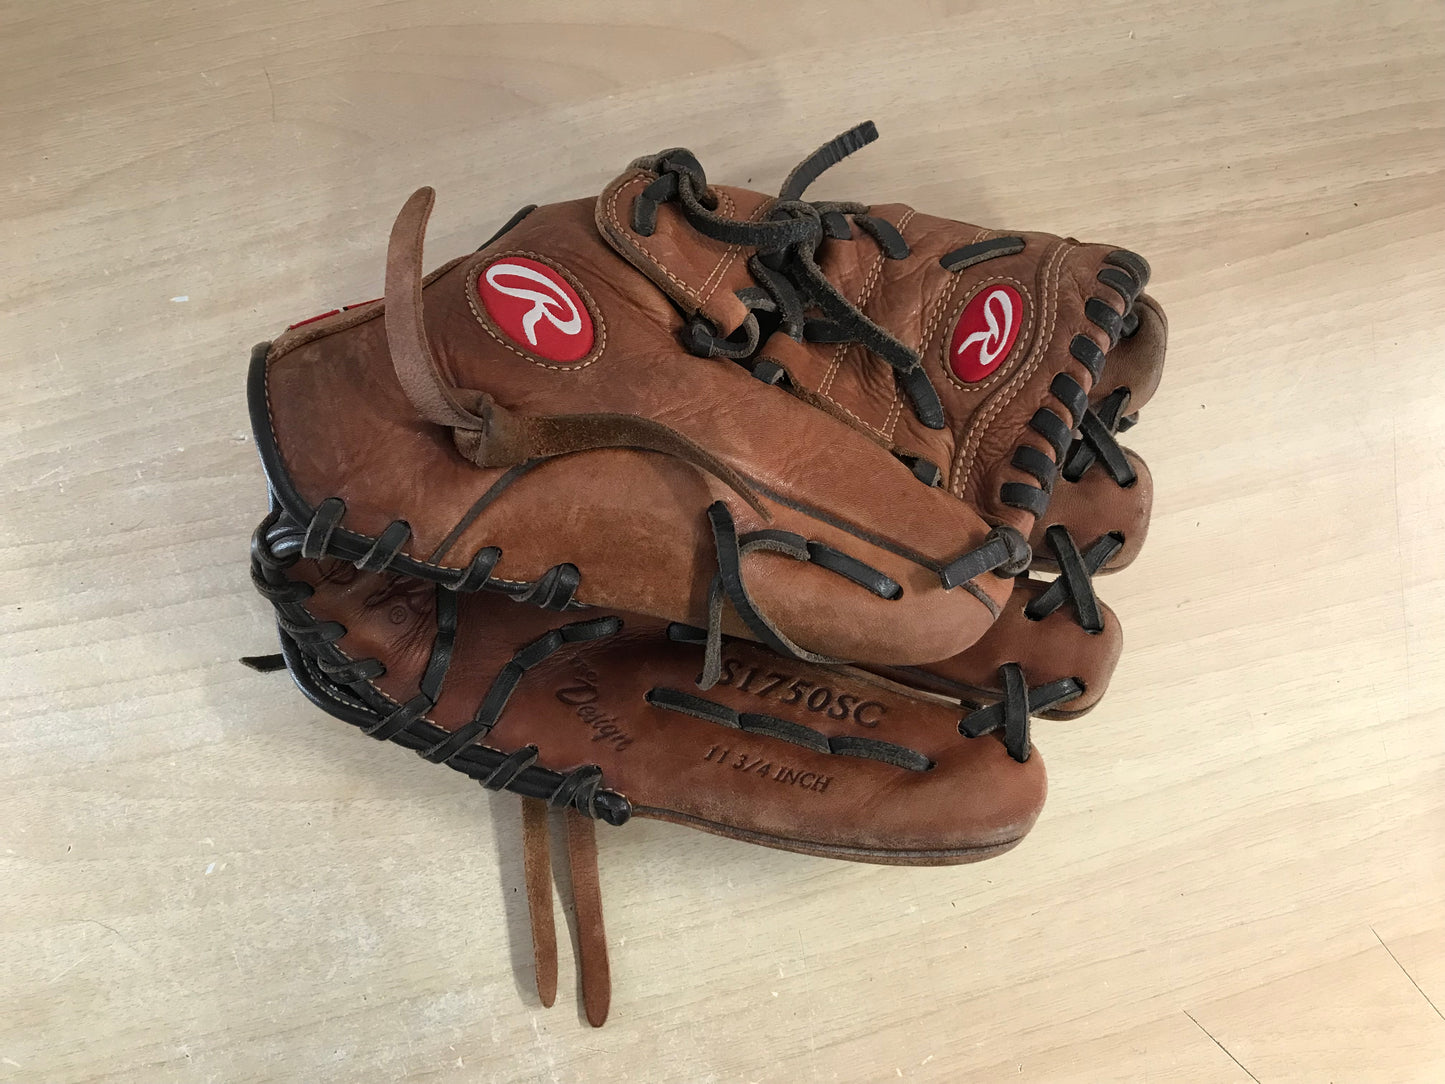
(985, 333)
(536, 308)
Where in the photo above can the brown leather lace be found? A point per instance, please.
(592, 962)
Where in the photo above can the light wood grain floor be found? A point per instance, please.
(1241, 871)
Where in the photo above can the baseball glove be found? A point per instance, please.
(538, 429)
(599, 713)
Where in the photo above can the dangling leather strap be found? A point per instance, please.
(592, 963)
(537, 865)
(591, 935)
(485, 432)
(411, 353)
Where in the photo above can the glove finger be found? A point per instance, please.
(1010, 338)
(1137, 362)
(1097, 505)
(828, 761)
(1045, 640)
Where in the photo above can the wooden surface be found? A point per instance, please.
(1241, 871)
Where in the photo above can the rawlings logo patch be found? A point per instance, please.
(537, 308)
(985, 333)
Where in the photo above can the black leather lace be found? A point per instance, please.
(1075, 582)
(1074, 587)
(1012, 714)
(342, 685)
(785, 262)
(1097, 440)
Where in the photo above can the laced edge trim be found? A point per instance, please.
(1128, 276)
(1075, 581)
(323, 672)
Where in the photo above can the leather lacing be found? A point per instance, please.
(553, 590)
(1013, 713)
(1097, 441)
(1004, 551)
(335, 679)
(1098, 429)
(1074, 585)
(846, 745)
(784, 263)
(1075, 582)
(1127, 274)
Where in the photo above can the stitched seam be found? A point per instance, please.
(472, 291)
(864, 295)
(638, 247)
(891, 425)
(945, 301)
(826, 386)
(692, 294)
(860, 421)
(1048, 305)
(893, 415)
(726, 260)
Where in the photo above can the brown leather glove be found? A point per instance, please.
(448, 442)
(525, 419)
(599, 713)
